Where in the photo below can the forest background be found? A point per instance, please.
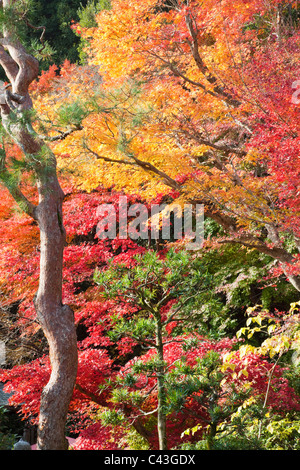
(176, 349)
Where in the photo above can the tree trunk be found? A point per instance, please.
(161, 392)
(211, 435)
(56, 319)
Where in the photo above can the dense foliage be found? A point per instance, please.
(177, 348)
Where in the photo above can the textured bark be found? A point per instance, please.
(56, 319)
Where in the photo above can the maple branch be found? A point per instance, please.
(218, 91)
(149, 167)
(198, 136)
(228, 223)
(252, 242)
(178, 73)
(194, 47)
(142, 164)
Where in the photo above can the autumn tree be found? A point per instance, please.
(192, 112)
(56, 319)
(110, 335)
(225, 142)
